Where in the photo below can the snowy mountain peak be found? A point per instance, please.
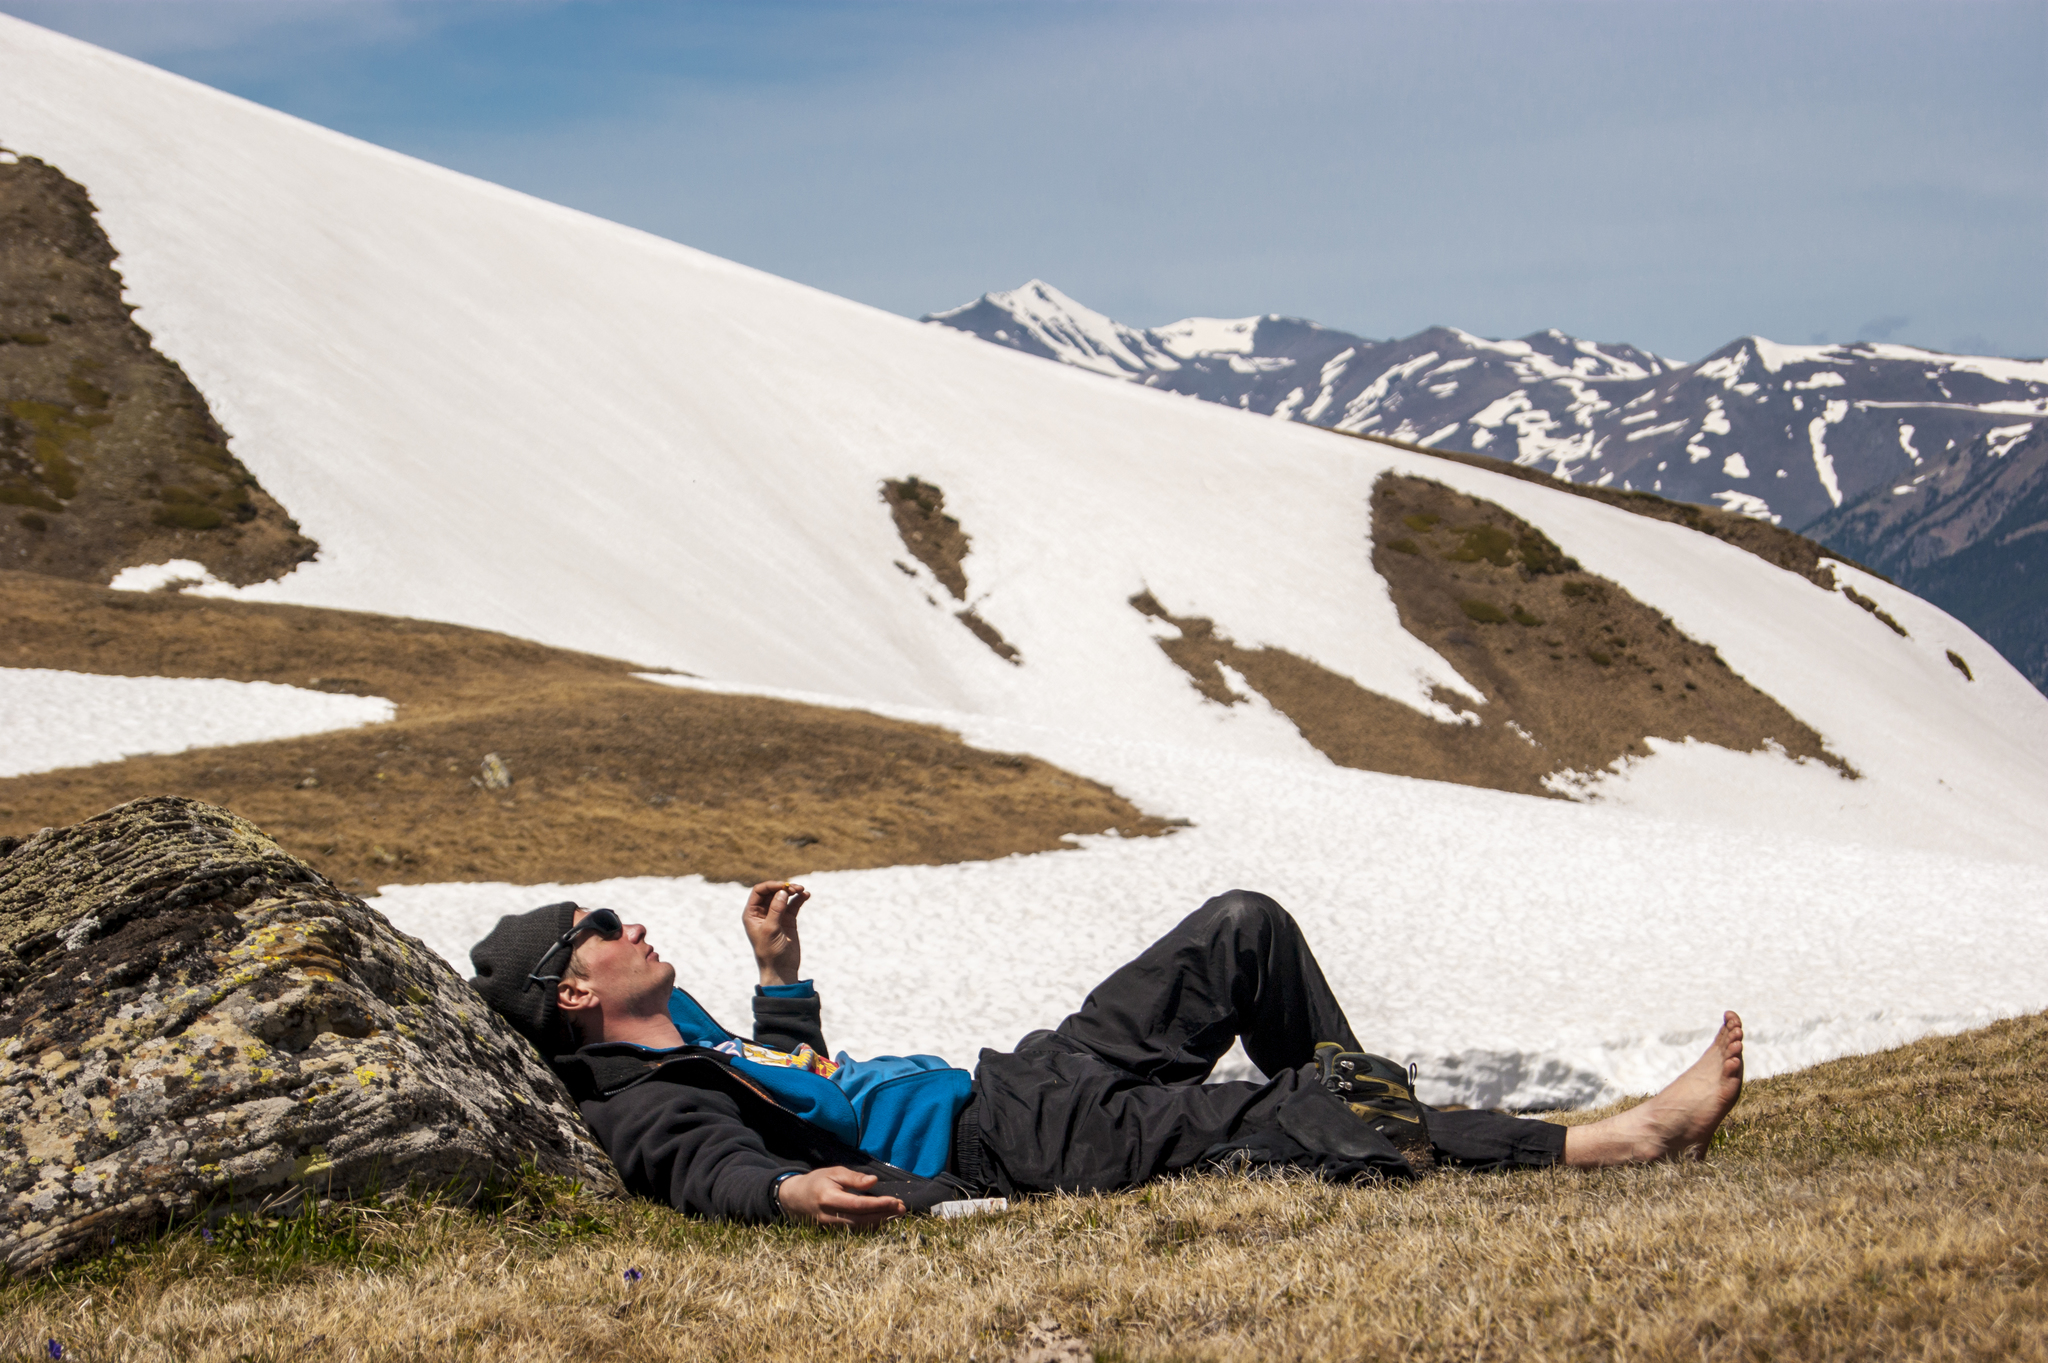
(1787, 433)
(1040, 320)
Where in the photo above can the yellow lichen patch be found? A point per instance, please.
(314, 1161)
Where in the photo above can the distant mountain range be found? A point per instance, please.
(1932, 468)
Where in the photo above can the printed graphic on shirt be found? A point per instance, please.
(802, 1058)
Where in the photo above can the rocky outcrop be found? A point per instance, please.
(193, 1019)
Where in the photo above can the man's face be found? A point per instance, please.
(627, 975)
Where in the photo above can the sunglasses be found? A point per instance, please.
(598, 922)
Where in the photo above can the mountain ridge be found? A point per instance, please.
(1798, 436)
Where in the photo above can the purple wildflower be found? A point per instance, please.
(206, 1234)
(56, 1349)
(632, 1275)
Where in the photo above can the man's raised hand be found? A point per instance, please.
(831, 1197)
(770, 920)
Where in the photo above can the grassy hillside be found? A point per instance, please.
(109, 457)
(609, 775)
(1882, 1206)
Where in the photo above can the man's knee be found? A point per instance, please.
(1245, 912)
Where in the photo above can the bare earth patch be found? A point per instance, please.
(937, 541)
(109, 456)
(609, 775)
(1575, 671)
(1882, 1206)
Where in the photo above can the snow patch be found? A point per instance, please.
(1774, 357)
(179, 574)
(50, 719)
(2002, 439)
(1745, 504)
(1715, 422)
(1196, 336)
(1817, 434)
(1367, 401)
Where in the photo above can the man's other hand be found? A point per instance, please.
(831, 1197)
(770, 919)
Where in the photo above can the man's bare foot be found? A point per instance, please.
(1676, 1124)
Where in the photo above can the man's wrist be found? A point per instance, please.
(775, 1190)
(775, 972)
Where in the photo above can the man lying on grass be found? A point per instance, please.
(747, 1129)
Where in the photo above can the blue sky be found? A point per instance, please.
(1668, 174)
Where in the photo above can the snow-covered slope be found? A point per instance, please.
(1780, 431)
(500, 412)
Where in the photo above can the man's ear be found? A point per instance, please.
(573, 995)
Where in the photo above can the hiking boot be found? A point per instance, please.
(1382, 1094)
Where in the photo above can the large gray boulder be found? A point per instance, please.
(193, 1019)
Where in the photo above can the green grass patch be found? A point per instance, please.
(188, 516)
(1488, 542)
(19, 494)
(84, 394)
(1484, 612)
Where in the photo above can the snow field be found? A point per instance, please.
(1523, 952)
(51, 719)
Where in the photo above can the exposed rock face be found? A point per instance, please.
(191, 1017)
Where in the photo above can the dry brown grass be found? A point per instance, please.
(611, 775)
(1886, 1206)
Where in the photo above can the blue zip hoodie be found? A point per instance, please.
(899, 1108)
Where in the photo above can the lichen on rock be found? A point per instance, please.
(191, 1019)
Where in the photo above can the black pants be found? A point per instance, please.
(1114, 1096)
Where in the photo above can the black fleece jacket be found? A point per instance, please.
(684, 1127)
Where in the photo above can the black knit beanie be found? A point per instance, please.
(504, 959)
